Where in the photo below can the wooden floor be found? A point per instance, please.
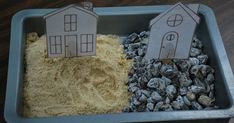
(224, 11)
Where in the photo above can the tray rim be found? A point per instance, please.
(15, 54)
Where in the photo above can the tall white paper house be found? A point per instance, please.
(172, 31)
(71, 31)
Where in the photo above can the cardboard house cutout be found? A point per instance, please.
(71, 31)
(172, 31)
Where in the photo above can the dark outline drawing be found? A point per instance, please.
(87, 42)
(174, 21)
(162, 42)
(65, 43)
(70, 22)
(55, 44)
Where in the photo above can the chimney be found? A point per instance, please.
(87, 5)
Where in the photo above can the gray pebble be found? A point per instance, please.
(143, 98)
(169, 71)
(156, 96)
(135, 102)
(150, 106)
(157, 84)
(132, 37)
(195, 69)
(158, 106)
(150, 100)
(183, 91)
(166, 107)
(210, 78)
(167, 100)
(205, 100)
(196, 89)
(186, 101)
(184, 80)
(171, 91)
(196, 106)
(202, 58)
(195, 52)
(191, 96)
(194, 61)
(176, 105)
(167, 80)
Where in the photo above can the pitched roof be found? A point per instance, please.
(191, 13)
(70, 6)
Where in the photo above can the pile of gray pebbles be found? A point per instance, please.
(171, 84)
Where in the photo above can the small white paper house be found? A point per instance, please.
(71, 31)
(172, 31)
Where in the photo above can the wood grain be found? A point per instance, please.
(224, 10)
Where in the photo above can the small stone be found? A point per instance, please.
(169, 71)
(143, 98)
(205, 100)
(135, 102)
(144, 34)
(202, 58)
(210, 78)
(194, 61)
(196, 106)
(167, 100)
(183, 65)
(143, 81)
(148, 75)
(132, 37)
(176, 105)
(195, 52)
(211, 94)
(186, 101)
(184, 80)
(126, 109)
(196, 89)
(205, 69)
(158, 84)
(196, 43)
(156, 96)
(167, 80)
(212, 87)
(133, 88)
(150, 106)
(141, 108)
(140, 52)
(146, 93)
(180, 100)
(150, 100)
(191, 96)
(158, 106)
(195, 69)
(171, 91)
(183, 91)
(132, 107)
(166, 107)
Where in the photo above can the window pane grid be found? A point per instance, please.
(86, 43)
(55, 45)
(70, 22)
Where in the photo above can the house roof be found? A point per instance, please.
(70, 6)
(189, 12)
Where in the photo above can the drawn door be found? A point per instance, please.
(169, 44)
(70, 45)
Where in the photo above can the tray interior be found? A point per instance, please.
(123, 25)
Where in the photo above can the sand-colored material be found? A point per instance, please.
(75, 86)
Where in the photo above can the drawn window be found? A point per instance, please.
(86, 43)
(70, 22)
(55, 45)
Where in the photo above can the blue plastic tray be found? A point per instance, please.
(121, 21)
